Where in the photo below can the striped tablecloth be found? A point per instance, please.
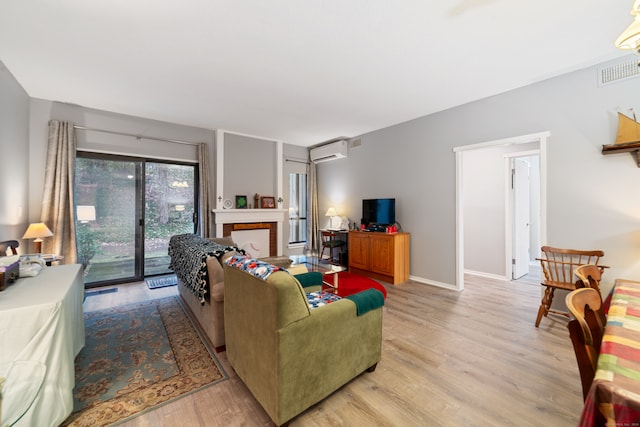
(614, 397)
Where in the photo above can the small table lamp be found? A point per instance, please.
(331, 212)
(37, 231)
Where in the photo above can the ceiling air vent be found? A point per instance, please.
(618, 72)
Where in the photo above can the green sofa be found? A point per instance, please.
(291, 357)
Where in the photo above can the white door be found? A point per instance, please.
(521, 220)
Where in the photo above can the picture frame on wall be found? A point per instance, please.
(268, 202)
(241, 202)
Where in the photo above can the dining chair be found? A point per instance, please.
(590, 275)
(586, 331)
(9, 247)
(330, 241)
(558, 266)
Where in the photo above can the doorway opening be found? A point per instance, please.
(495, 247)
(522, 213)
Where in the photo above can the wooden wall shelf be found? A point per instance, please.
(631, 147)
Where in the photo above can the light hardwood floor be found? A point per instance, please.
(471, 358)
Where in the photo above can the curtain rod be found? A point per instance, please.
(175, 141)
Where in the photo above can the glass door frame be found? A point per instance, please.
(139, 211)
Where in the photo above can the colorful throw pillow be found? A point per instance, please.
(255, 267)
(322, 298)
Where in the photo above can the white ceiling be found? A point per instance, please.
(303, 71)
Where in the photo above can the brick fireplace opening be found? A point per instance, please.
(272, 228)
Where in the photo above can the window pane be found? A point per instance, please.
(297, 208)
(106, 218)
(169, 208)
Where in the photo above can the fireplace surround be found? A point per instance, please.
(228, 220)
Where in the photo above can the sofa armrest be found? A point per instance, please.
(215, 273)
(311, 279)
(367, 300)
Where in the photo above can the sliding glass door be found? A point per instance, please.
(127, 210)
(169, 209)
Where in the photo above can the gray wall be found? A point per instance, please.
(249, 167)
(14, 145)
(42, 111)
(591, 198)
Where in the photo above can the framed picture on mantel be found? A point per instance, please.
(267, 202)
(241, 202)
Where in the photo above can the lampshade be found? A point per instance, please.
(86, 213)
(331, 212)
(37, 230)
(630, 37)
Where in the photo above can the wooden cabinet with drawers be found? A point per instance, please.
(380, 255)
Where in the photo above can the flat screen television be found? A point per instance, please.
(378, 212)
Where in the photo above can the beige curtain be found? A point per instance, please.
(57, 200)
(204, 222)
(313, 244)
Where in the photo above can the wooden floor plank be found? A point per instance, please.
(449, 358)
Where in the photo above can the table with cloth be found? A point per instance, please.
(41, 322)
(614, 396)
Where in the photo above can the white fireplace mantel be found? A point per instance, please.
(248, 216)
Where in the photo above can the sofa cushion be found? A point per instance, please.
(320, 299)
(255, 267)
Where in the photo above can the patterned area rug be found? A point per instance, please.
(136, 357)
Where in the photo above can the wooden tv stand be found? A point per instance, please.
(379, 255)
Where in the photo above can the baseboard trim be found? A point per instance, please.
(486, 275)
(433, 283)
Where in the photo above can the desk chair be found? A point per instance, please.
(558, 266)
(586, 332)
(330, 241)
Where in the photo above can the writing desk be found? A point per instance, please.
(41, 320)
(614, 396)
(334, 239)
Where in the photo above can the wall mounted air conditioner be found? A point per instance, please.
(331, 151)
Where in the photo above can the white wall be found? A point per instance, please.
(591, 198)
(14, 168)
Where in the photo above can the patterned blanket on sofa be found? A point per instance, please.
(189, 253)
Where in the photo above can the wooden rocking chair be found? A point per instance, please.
(558, 266)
